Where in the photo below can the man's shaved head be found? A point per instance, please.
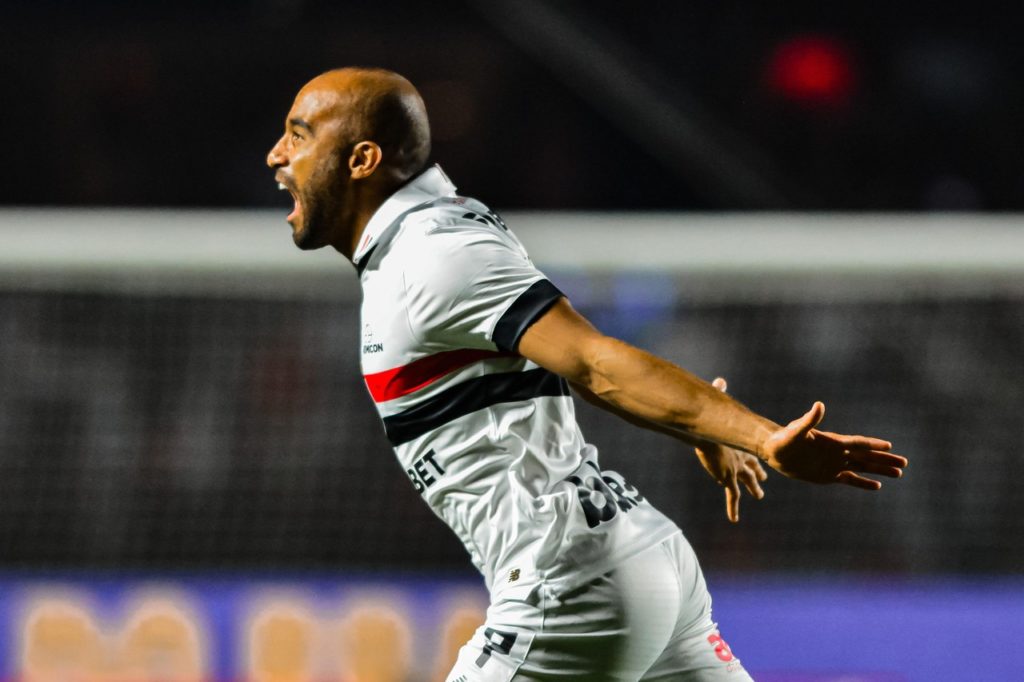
(383, 107)
(351, 138)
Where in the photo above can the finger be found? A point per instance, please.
(851, 479)
(732, 501)
(759, 471)
(873, 468)
(876, 457)
(749, 479)
(720, 384)
(860, 442)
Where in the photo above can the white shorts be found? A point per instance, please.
(648, 619)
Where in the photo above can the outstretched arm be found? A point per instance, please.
(655, 390)
(727, 466)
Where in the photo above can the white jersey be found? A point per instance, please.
(488, 438)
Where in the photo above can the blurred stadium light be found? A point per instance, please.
(813, 70)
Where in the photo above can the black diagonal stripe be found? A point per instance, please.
(523, 312)
(365, 260)
(470, 396)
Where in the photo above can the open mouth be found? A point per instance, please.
(297, 208)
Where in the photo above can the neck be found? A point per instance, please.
(361, 219)
(364, 204)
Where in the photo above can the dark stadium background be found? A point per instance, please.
(916, 105)
(149, 436)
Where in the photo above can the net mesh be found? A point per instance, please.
(155, 432)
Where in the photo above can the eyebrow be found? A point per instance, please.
(300, 123)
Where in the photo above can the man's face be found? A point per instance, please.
(310, 164)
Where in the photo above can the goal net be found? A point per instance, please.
(182, 390)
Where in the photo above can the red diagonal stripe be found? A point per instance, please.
(399, 381)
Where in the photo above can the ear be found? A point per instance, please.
(366, 157)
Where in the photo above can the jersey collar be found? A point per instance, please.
(428, 185)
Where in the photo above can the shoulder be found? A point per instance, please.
(454, 218)
(457, 236)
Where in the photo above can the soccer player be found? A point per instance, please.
(468, 352)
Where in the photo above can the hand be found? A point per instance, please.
(729, 466)
(799, 450)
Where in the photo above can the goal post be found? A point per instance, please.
(753, 253)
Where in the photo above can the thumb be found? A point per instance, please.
(720, 384)
(807, 422)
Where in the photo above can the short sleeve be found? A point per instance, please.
(475, 289)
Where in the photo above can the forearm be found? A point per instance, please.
(655, 390)
(587, 395)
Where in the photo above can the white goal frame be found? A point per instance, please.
(759, 256)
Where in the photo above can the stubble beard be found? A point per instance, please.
(306, 233)
(322, 211)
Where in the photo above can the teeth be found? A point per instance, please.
(281, 186)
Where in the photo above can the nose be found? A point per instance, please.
(276, 158)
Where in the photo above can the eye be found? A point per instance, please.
(296, 137)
